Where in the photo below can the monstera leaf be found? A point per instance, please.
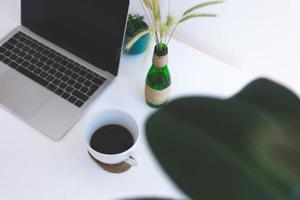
(243, 148)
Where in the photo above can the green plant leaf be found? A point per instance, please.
(243, 148)
(135, 39)
(163, 32)
(135, 25)
(202, 5)
(192, 16)
(166, 27)
(148, 4)
(156, 11)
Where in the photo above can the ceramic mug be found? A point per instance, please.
(109, 117)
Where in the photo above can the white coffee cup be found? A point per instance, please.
(110, 117)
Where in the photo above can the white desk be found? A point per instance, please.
(33, 167)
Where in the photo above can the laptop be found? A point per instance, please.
(55, 64)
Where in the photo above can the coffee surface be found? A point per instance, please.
(111, 139)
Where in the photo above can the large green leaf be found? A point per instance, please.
(243, 148)
(193, 16)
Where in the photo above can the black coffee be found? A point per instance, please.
(111, 139)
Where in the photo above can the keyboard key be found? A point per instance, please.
(93, 89)
(62, 69)
(21, 54)
(84, 89)
(32, 76)
(89, 76)
(79, 103)
(56, 82)
(27, 42)
(80, 95)
(31, 67)
(58, 75)
(37, 71)
(20, 60)
(39, 49)
(56, 65)
(44, 58)
(6, 61)
(20, 45)
(69, 89)
(75, 76)
(50, 78)
(66, 95)
(49, 62)
(17, 36)
(76, 69)
(40, 64)
(26, 48)
(38, 55)
(71, 82)
(68, 72)
(83, 72)
(52, 71)
(46, 52)
(25, 64)
(34, 46)
(88, 83)
(13, 65)
(52, 87)
(2, 50)
(7, 53)
(59, 91)
(70, 66)
(14, 57)
(34, 61)
(12, 41)
(31, 52)
(58, 58)
(43, 74)
(72, 99)
(2, 57)
(63, 62)
(98, 81)
(28, 57)
(63, 85)
(8, 46)
(65, 78)
(16, 51)
(46, 68)
(77, 85)
(81, 80)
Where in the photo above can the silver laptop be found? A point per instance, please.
(54, 65)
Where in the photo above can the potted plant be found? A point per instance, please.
(158, 81)
(242, 148)
(135, 25)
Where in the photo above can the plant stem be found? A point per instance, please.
(173, 33)
(151, 20)
(148, 19)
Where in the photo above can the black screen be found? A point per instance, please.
(91, 29)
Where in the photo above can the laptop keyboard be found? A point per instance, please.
(66, 78)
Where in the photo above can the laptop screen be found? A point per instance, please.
(90, 29)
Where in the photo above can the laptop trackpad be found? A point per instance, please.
(21, 95)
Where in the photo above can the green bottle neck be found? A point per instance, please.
(160, 61)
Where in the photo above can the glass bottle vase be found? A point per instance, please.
(158, 81)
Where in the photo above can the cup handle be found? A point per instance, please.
(132, 160)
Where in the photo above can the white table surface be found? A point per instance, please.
(34, 167)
